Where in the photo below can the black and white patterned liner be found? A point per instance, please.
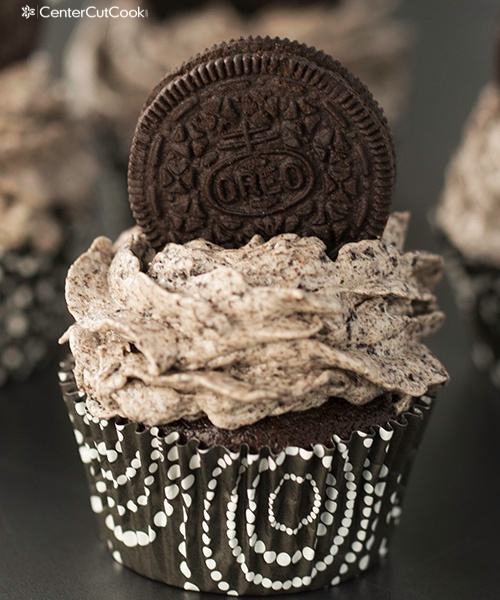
(32, 310)
(244, 522)
(477, 293)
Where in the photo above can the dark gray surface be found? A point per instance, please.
(447, 544)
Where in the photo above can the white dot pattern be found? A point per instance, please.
(32, 309)
(242, 522)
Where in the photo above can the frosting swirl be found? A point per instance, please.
(46, 168)
(469, 211)
(245, 333)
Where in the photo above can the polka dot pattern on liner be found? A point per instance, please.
(32, 311)
(244, 522)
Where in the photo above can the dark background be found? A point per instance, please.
(447, 545)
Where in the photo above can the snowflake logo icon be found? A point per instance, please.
(28, 12)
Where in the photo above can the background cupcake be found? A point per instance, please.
(112, 64)
(468, 216)
(47, 174)
(189, 356)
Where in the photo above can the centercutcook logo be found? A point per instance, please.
(92, 12)
(28, 12)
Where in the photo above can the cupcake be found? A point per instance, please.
(46, 180)
(468, 219)
(247, 382)
(113, 63)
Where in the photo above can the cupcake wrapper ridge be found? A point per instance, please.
(244, 522)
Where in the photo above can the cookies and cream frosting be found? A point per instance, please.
(469, 211)
(45, 165)
(241, 334)
(113, 64)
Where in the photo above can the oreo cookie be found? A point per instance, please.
(261, 136)
(18, 31)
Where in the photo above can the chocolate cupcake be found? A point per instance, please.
(113, 63)
(248, 385)
(47, 175)
(468, 220)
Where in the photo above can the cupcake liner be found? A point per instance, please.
(32, 310)
(477, 293)
(244, 522)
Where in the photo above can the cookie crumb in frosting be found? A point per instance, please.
(241, 334)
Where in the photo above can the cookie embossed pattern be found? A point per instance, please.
(174, 404)
(276, 137)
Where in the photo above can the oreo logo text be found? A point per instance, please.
(255, 185)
